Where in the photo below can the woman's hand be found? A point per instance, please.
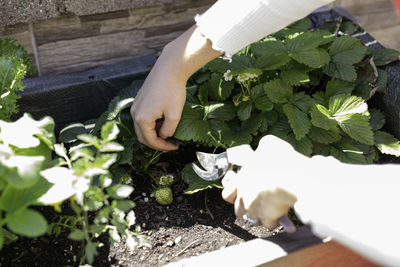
(266, 186)
(163, 93)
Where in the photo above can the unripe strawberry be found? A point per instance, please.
(163, 195)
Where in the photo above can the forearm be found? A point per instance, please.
(186, 54)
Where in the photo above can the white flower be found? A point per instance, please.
(246, 76)
(166, 179)
(228, 76)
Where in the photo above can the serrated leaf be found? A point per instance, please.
(244, 110)
(263, 103)
(385, 56)
(304, 145)
(69, 133)
(268, 47)
(338, 87)
(346, 104)
(221, 111)
(338, 70)
(109, 131)
(192, 126)
(377, 119)
(303, 40)
(301, 25)
(320, 117)
(280, 129)
(295, 76)
(27, 222)
(9, 49)
(220, 89)
(387, 143)
(348, 155)
(298, 120)
(321, 98)
(272, 62)
(302, 101)
(278, 91)
(324, 136)
(345, 43)
(313, 57)
(195, 183)
(357, 127)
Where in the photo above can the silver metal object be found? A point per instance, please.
(215, 167)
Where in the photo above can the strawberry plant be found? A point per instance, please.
(308, 87)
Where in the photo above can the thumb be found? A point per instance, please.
(230, 190)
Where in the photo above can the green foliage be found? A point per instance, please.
(14, 65)
(308, 87)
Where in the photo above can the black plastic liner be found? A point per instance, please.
(77, 97)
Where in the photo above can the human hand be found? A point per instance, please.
(266, 186)
(162, 96)
(163, 93)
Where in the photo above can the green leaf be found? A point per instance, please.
(303, 40)
(82, 152)
(377, 119)
(90, 139)
(221, 111)
(272, 62)
(21, 171)
(9, 49)
(344, 104)
(13, 199)
(324, 136)
(120, 191)
(268, 47)
(385, 56)
(301, 25)
(195, 183)
(351, 44)
(313, 57)
(357, 127)
(27, 222)
(91, 251)
(382, 81)
(77, 235)
(124, 205)
(104, 161)
(320, 117)
(192, 127)
(221, 89)
(244, 110)
(109, 131)
(111, 147)
(338, 87)
(295, 76)
(298, 120)
(304, 145)
(348, 154)
(263, 103)
(280, 129)
(278, 91)
(338, 70)
(302, 101)
(69, 133)
(387, 144)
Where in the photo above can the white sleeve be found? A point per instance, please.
(234, 24)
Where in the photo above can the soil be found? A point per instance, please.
(192, 225)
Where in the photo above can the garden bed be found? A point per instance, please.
(193, 224)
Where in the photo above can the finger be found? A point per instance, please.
(148, 136)
(229, 194)
(171, 121)
(269, 223)
(229, 184)
(239, 208)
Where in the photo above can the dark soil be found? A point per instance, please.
(192, 225)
